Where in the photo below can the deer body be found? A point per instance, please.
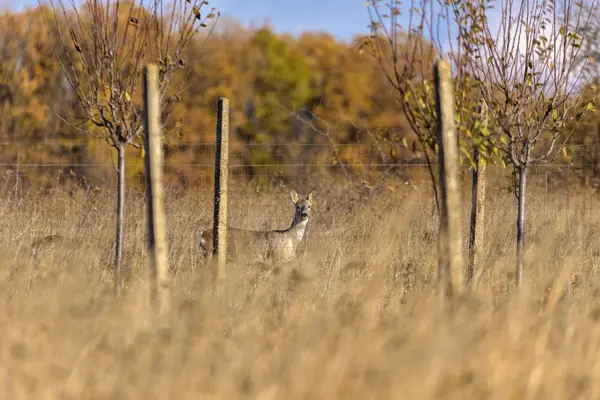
(273, 245)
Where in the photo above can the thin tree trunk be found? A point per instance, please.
(521, 223)
(120, 215)
(476, 233)
(436, 196)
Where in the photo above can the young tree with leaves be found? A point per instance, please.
(406, 54)
(530, 75)
(113, 40)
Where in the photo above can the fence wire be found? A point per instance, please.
(303, 165)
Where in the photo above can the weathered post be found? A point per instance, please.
(220, 204)
(157, 241)
(450, 267)
(477, 229)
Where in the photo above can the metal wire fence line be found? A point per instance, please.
(195, 161)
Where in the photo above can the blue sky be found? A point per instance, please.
(342, 18)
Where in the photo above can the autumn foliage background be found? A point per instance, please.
(285, 93)
(269, 79)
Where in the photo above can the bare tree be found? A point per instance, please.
(530, 75)
(103, 47)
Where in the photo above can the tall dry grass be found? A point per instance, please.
(354, 317)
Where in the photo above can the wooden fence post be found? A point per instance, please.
(477, 228)
(221, 173)
(450, 267)
(157, 241)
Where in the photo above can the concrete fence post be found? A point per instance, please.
(450, 267)
(477, 228)
(220, 199)
(157, 240)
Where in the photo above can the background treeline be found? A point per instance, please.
(296, 102)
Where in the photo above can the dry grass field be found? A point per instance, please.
(354, 318)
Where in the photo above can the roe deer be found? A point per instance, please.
(275, 245)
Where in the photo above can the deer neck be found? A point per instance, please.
(297, 230)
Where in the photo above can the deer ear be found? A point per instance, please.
(294, 196)
(311, 195)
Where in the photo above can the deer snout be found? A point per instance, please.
(304, 215)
